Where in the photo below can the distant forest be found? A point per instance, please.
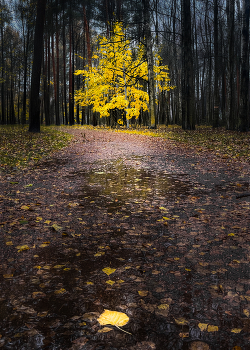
(205, 45)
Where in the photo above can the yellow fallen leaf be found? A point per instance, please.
(67, 269)
(21, 248)
(78, 254)
(99, 254)
(38, 218)
(105, 330)
(108, 270)
(56, 227)
(8, 275)
(110, 282)
(188, 269)
(9, 243)
(236, 330)
(236, 347)
(246, 312)
(114, 318)
(43, 245)
(181, 321)
(24, 207)
(203, 326)
(89, 283)
(37, 267)
(47, 222)
(203, 263)
(143, 293)
(231, 234)
(42, 314)
(120, 281)
(60, 291)
(58, 266)
(211, 328)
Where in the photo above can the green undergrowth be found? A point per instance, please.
(20, 148)
(231, 145)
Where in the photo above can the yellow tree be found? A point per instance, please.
(116, 79)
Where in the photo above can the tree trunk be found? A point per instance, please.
(34, 111)
(231, 58)
(188, 113)
(216, 68)
(244, 120)
(150, 61)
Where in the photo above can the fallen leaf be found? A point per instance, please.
(60, 291)
(114, 318)
(203, 326)
(246, 312)
(108, 270)
(236, 330)
(211, 328)
(110, 282)
(25, 207)
(21, 248)
(56, 227)
(181, 321)
(143, 293)
(105, 330)
(8, 275)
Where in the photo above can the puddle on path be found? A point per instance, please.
(123, 183)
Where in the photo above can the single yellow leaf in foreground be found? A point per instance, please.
(236, 330)
(108, 270)
(211, 328)
(114, 318)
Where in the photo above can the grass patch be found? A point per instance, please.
(20, 148)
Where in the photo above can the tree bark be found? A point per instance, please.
(150, 61)
(188, 113)
(216, 67)
(244, 120)
(34, 111)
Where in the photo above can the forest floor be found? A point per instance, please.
(147, 226)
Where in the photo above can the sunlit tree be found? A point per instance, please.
(118, 75)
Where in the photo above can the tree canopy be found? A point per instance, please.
(118, 77)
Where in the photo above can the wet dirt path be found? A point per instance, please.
(170, 223)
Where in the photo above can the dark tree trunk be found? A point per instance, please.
(150, 61)
(216, 67)
(244, 120)
(64, 74)
(231, 60)
(188, 113)
(3, 119)
(34, 112)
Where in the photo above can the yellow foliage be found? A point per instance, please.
(117, 80)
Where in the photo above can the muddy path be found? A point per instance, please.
(171, 224)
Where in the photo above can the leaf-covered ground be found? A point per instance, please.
(129, 223)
